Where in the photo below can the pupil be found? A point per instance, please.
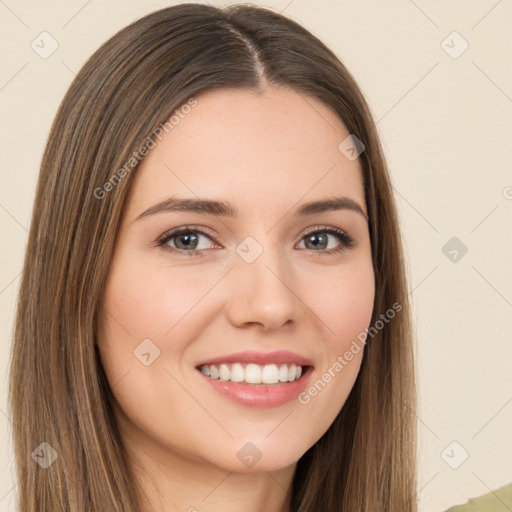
(191, 239)
(318, 240)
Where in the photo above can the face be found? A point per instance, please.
(220, 321)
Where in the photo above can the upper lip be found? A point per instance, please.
(261, 358)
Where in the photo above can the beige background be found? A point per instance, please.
(446, 124)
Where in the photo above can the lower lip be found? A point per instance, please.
(260, 395)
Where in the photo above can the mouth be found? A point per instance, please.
(251, 373)
(256, 379)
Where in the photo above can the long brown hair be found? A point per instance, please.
(59, 394)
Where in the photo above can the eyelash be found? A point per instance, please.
(347, 242)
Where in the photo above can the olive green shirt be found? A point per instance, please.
(499, 500)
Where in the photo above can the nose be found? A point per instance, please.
(263, 293)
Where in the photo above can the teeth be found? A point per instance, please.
(224, 372)
(214, 372)
(237, 373)
(270, 374)
(283, 373)
(253, 373)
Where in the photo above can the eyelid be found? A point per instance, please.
(323, 227)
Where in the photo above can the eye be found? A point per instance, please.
(186, 240)
(191, 241)
(319, 240)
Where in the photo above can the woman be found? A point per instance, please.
(213, 313)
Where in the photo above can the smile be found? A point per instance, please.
(253, 373)
(257, 379)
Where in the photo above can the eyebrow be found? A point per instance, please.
(225, 209)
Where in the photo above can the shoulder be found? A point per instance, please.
(499, 500)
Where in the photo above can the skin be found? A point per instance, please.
(267, 154)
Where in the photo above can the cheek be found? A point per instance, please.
(344, 302)
(148, 302)
(149, 309)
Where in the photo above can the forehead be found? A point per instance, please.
(254, 150)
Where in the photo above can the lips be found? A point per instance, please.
(260, 358)
(257, 379)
